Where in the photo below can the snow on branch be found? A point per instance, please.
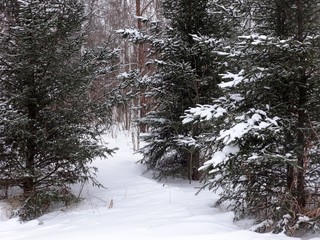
(186, 141)
(207, 112)
(133, 34)
(221, 156)
(203, 113)
(256, 39)
(142, 18)
(253, 122)
(236, 79)
(205, 39)
(214, 43)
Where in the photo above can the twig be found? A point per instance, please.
(97, 198)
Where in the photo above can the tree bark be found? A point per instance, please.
(29, 183)
(302, 155)
(302, 118)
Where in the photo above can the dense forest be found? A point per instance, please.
(223, 92)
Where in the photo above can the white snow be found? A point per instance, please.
(236, 79)
(203, 112)
(257, 121)
(221, 156)
(133, 207)
(134, 33)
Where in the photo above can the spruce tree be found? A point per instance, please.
(186, 74)
(50, 118)
(265, 151)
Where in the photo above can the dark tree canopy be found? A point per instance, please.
(49, 122)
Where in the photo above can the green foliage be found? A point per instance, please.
(187, 74)
(265, 140)
(51, 112)
(39, 202)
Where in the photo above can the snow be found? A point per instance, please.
(266, 223)
(204, 112)
(134, 206)
(236, 79)
(221, 156)
(257, 121)
(134, 33)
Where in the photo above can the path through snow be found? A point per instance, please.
(133, 207)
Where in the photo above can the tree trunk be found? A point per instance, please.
(141, 63)
(302, 157)
(29, 183)
(302, 118)
(290, 177)
(196, 164)
(302, 143)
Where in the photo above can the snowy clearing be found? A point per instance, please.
(134, 207)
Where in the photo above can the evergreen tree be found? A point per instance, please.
(265, 152)
(50, 118)
(186, 74)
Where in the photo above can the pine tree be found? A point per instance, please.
(50, 118)
(265, 151)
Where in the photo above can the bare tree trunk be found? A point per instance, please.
(141, 63)
(105, 16)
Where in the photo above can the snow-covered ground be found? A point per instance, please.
(133, 207)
